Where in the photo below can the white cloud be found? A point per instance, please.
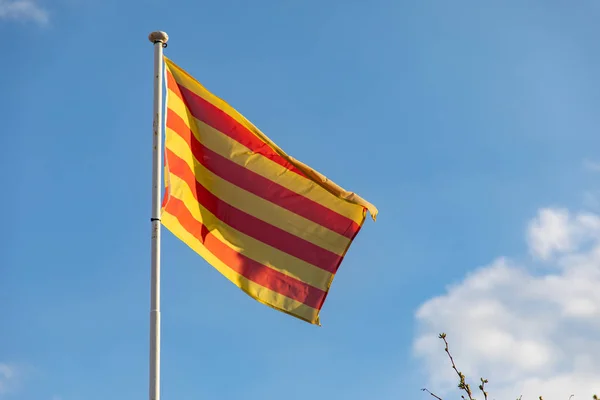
(530, 334)
(8, 378)
(549, 233)
(591, 200)
(555, 231)
(23, 10)
(591, 165)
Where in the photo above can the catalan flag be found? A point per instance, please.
(270, 224)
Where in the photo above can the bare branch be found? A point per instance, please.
(463, 385)
(434, 395)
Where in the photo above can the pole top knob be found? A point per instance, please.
(158, 37)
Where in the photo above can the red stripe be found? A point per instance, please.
(261, 186)
(223, 122)
(252, 226)
(247, 267)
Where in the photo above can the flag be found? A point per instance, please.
(270, 224)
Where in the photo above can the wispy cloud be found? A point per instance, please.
(590, 165)
(25, 10)
(531, 332)
(591, 200)
(8, 378)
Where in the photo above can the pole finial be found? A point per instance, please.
(159, 37)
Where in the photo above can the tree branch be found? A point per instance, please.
(462, 384)
(434, 395)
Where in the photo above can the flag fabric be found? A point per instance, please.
(270, 224)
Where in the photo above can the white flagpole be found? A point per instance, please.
(159, 39)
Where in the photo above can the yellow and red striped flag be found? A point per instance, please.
(270, 224)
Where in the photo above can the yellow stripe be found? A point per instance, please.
(256, 291)
(256, 205)
(192, 84)
(247, 245)
(241, 155)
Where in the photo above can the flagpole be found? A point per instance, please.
(159, 39)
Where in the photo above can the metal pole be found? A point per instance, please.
(159, 39)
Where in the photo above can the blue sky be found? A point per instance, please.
(459, 121)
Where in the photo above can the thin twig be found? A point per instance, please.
(434, 395)
(482, 388)
(462, 384)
